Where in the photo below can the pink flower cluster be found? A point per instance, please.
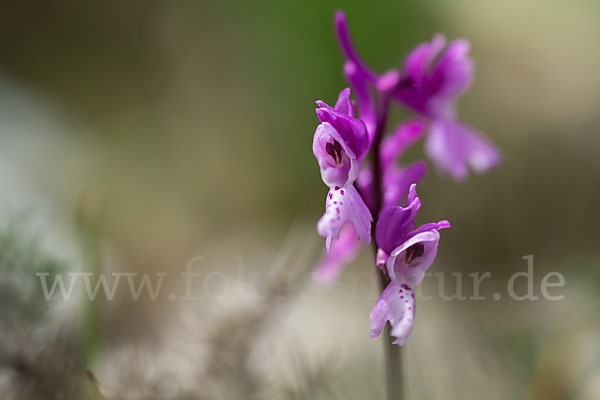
(432, 77)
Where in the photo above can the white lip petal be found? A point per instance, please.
(397, 305)
(413, 273)
(340, 172)
(344, 204)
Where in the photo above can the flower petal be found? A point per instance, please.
(404, 136)
(431, 225)
(352, 131)
(397, 305)
(387, 82)
(430, 87)
(454, 70)
(341, 252)
(344, 204)
(344, 104)
(395, 223)
(397, 181)
(453, 147)
(343, 33)
(418, 60)
(332, 172)
(366, 104)
(404, 268)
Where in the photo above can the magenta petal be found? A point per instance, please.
(403, 136)
(344, 204)
(431, 225)
(387, 82)
(341, 252)
(453, 147)
(454, 70)
(352, 131)
(397, 305)
(360, 76)
(397, 181)
(343, 33)
(483, 155)
(344, 104)
(395, 223)
(421, 88)
(418, 61)
(431, 86)
(366, 105)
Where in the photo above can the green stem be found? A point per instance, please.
(88, 219)
(392, 352)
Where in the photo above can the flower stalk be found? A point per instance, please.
(392, 353)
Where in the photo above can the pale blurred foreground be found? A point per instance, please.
(283, 338)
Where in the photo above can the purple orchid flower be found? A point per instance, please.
(431, 82)
(407, 252)
(430, 88)
(339, 144)
(340, 141)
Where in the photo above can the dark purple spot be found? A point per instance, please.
(336, 188)
(335, 151)
(342, 192)
(337, 147)
(329, 150)
(405, 286)
(335, 202)
(406, 83)
(414, 251)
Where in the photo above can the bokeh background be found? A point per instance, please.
(159, 131)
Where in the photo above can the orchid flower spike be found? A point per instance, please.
(340, 141)
(433, 76)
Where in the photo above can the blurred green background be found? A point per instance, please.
(194, 120)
